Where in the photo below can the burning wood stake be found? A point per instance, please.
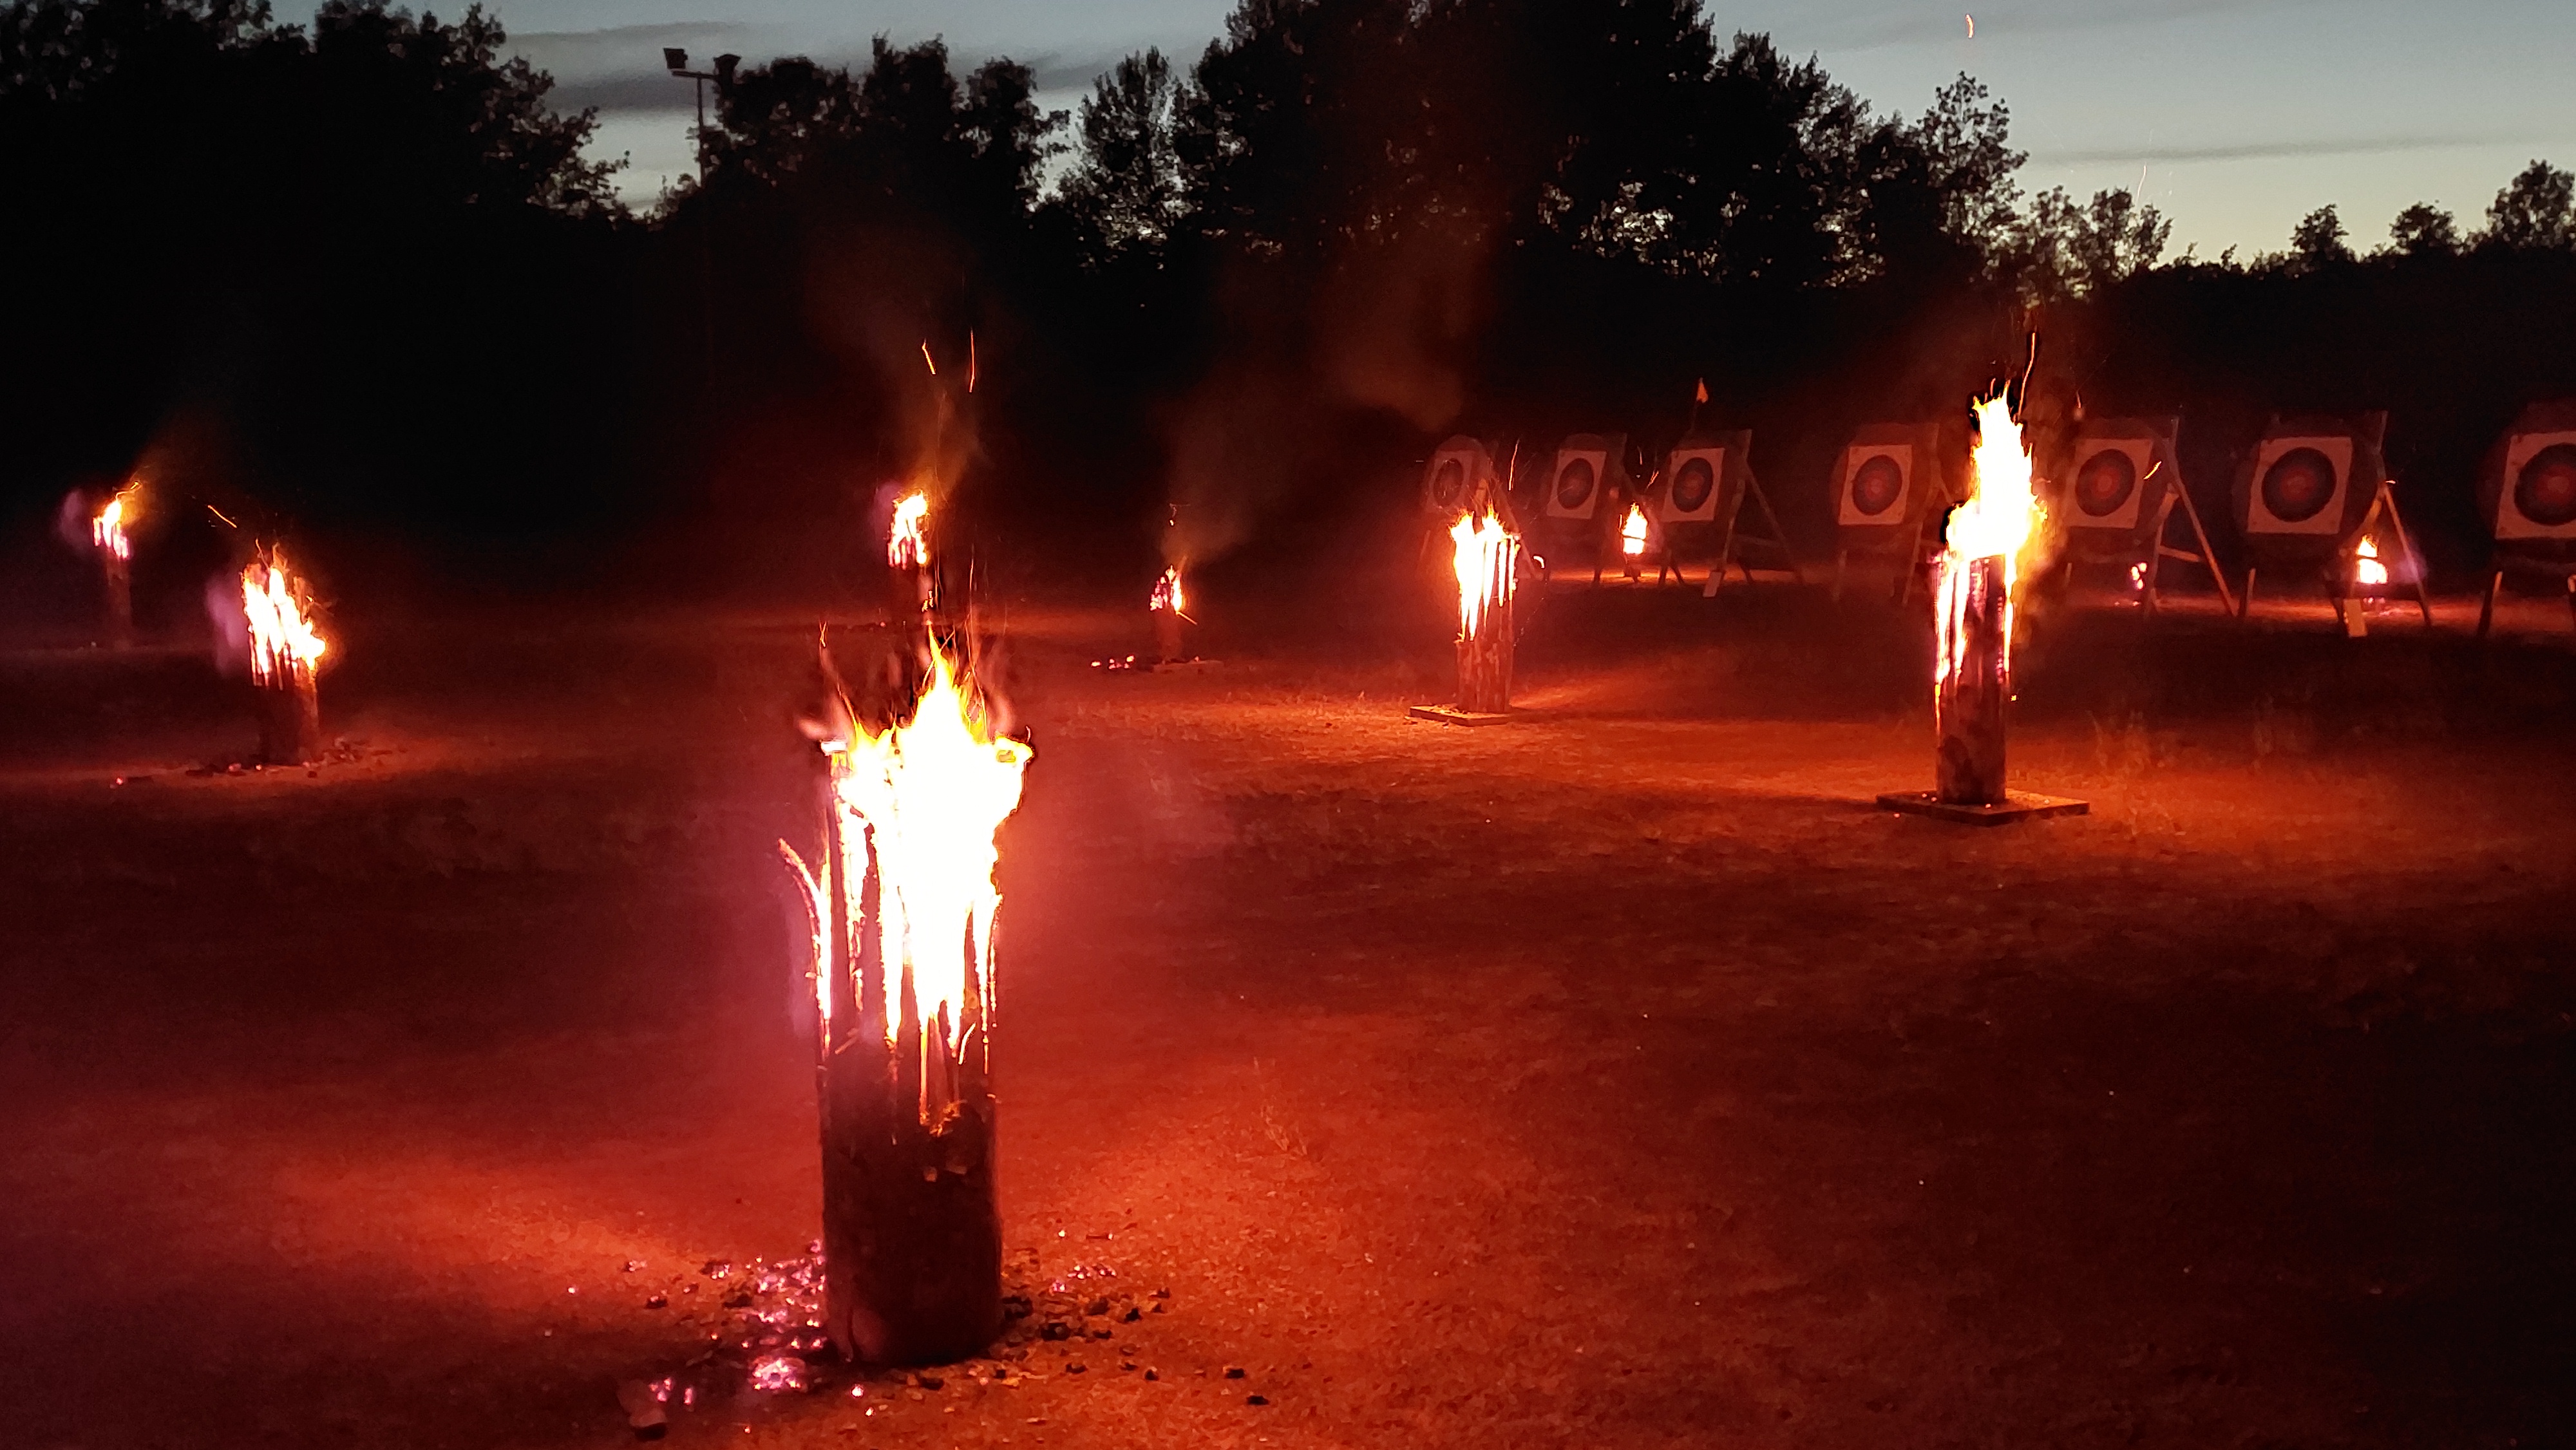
(116, 556)
(1170, 608)
(1972, 632)
(916, 582)
(903, 910)
(285, 658)
(1488, 558)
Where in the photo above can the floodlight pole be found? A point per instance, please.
(677, 61)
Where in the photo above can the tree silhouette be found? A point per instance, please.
(1125, 191)
(2317, 242)
(2537, 209)
(2424, 230)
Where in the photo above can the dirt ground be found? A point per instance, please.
(1615, 1078)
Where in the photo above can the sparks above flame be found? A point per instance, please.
(107, 530)
(924, 798)
(1999, 520)
(1484, 564)
(1168, 594)
(908, 538)
(2366, 568)
(283, 641)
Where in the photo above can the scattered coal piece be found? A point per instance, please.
(658, 1301)
(1234, 1371)
(1153, 1374)
(1255, 1400)
(1055, 1329)
(1097, 1306)
(1132, 1315)
(1075, 1369)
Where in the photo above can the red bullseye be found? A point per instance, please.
(1692, 486)
(1449, 485)
(2299, 486)
(2546, 491)
(1876, 486)
(2105, 482)
(1574, 484)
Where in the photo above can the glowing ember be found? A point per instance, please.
(1999, 520)
(2366, 568)
(283, 641)
(923, 799)
(1632, 534)
(1484, 564)
(1168, 594)
(908, 539)
(107, 530)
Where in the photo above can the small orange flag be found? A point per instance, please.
(1703, 391)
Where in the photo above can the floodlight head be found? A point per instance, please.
(676, 60)
(725, 65)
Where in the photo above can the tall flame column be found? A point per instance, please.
(904, 907)
(1488, 556)
(285, 660)
(116, 557)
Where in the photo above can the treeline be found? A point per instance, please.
(359, 272)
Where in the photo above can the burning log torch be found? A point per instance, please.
(903, 906)
(1972, 624)
(1487, 561)
(1170, 608)
(107, 532)
(285, 657)
(916, 583)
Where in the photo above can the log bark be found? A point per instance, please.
(1485, 661)
(1968, 701)
(290, 718)
(1171, 644)
(912, 1231)
(120, 602)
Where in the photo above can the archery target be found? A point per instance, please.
(1574, 489)
(1692, 485)
(1449, 480)
(2110, 483)
(1878, 482)
(2299, 485)
(2539, 496)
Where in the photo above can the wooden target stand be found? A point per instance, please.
(2138, 554)
(2524, 492)
(2352, 599)
(1927, 498)
(1733, 541)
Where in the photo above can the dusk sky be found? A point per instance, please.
(2238, 116)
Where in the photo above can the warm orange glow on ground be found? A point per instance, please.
(283, 640)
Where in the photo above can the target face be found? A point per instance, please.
(1694, 486)
(1574, 484)
(1877, 487)
(2299, 486)
(1449, 486)
(2107, 480)
(1575, 492)
(2540, 488)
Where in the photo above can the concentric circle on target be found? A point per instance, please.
(2545, 492)
(1449, 485)
(2299, 486)
(1574, 483)
(2105, 482)
(1692, 486)
(1876, 486)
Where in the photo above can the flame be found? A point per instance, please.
(1999, 520)
(107, 530)
(924, 798)
(283, 641)
(2366, 568)
(1632, 534)
(1168, 593)
(1484, 563)
(908, 538)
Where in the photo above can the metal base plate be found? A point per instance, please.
(1452, 715)
(2017, 806)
